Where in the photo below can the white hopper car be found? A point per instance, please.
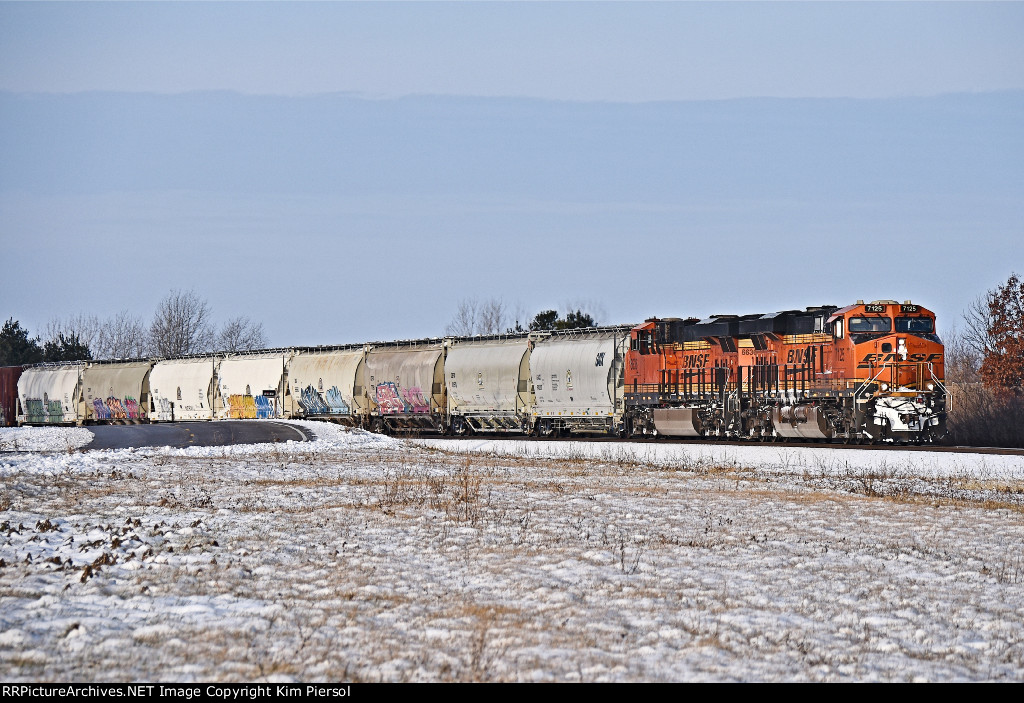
(543, 382)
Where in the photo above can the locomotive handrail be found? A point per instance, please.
(945, 391)
(940, 384)
(856, 394)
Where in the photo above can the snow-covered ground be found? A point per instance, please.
(367, 558)
(43, 439)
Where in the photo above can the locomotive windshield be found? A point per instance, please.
(915, 325)
(869, 325)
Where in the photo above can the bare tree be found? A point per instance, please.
(493, 317)
(85, 328)
(518, 318)
(241, 334)
(181, 325)
(122, 336)
(963, 362)
(977, 323)
(465, 321)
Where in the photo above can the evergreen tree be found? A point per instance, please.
(16, 348)
(545, 320)
(576, 320)
(66, 348)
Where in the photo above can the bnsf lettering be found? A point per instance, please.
(798, 356)
(879, 359)
(696, 361)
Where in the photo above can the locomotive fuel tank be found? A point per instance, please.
(802, 421)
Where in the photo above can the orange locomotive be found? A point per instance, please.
(865, 372)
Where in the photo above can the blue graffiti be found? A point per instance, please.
(312, 403)
(331, 403)
(102, 411)
(337, 403)
(264, 408)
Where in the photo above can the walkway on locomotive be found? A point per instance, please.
(823, 351)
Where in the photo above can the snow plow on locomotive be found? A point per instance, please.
(865, 372)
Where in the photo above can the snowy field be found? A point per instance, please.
(364, 558)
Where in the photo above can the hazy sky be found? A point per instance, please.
(627, 51)
(555, 170)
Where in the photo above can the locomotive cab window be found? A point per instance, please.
(862, 325)
(915, 325)
(837, 328)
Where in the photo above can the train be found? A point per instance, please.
(867, 372)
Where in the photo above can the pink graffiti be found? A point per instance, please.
(114, 409)
(133, 408)
(388, 399)
(415, 400)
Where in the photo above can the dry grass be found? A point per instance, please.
(429, 566)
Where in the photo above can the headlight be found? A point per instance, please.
(930, 386)
(884, 386)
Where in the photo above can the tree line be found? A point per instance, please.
(493, 316)
(181, 324)
(985, 369)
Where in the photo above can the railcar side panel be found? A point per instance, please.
(488, 384)
(328, 385)
(182, 389)
(117, 392)
(406, 383)
(252, 387)
(51, 395)
(578, 382)
(9, 376)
